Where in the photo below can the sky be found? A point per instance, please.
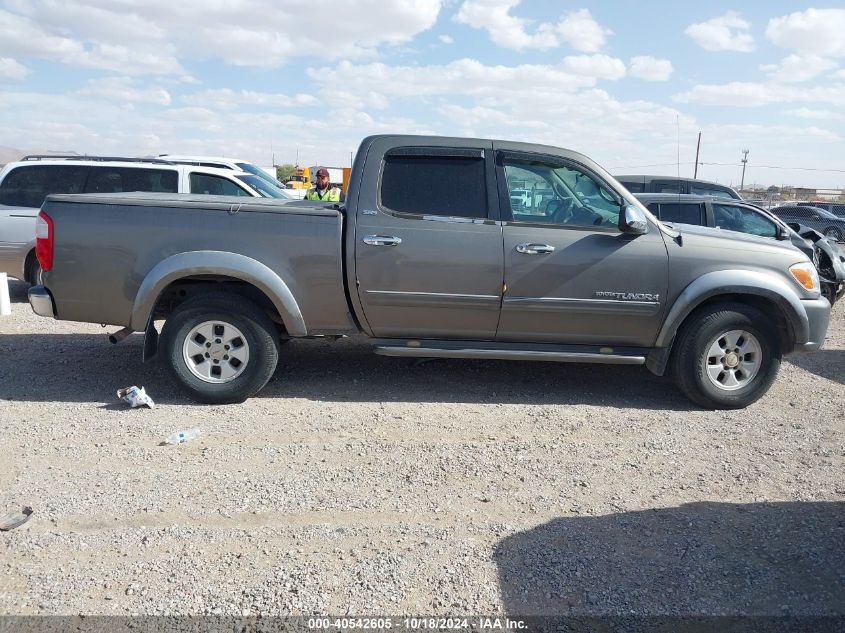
(629, 84)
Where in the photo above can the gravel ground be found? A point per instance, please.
(361, 484)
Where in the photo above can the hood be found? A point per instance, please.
(728, 239)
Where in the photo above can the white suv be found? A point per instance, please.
(24, 184)
(221, 162)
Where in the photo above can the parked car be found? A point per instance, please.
(824, 222)
(220, 162)
(429, 258)
(672, 184)
(24, 184)
(836, 208)
(744, 217)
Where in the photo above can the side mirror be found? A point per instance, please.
(632, 220)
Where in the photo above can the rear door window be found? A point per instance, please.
(710, 190)
(682, 213)
(667, 186)
(441, 185)
(119, 179)
(633, 187)
(735, 218)
(28, 185)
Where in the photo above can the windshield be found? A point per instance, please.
(257, 171)
(826, 214)
(264, 188)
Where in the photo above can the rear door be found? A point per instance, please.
(428, 247)
(570, 275)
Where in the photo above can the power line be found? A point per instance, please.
(728, 165)
(842, 171)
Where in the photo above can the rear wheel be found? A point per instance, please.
(726, 356)
(220, 348)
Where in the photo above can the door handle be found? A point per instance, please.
(534, 249)
(382, 240)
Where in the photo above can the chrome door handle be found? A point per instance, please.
(382, 240)
(534, 249)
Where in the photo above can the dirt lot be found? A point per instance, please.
(362, 484)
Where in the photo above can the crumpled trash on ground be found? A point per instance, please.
(15, 519)
(135, 397)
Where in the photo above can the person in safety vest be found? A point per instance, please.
(324, 190)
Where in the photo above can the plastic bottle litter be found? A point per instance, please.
(15, 519)
(183, 436)
(136, 397)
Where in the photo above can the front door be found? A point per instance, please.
(428, 248)
(571, 276)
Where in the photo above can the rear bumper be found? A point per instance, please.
(42, 301)
(818, 317)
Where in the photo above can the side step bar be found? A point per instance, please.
(506, 351)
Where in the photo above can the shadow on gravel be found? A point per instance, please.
(701, 559)
(85, 368)
(826, 363)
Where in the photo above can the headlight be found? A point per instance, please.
(806, 276)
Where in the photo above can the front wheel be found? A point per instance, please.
(220, 348)
(726, 356)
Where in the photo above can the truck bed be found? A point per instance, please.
(113, 241)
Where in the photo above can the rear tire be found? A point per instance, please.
(726, 356)
(220, 348)
(33, 271)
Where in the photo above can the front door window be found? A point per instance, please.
(548, 193)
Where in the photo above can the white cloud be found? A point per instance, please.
(447, 39)
(504, 29)
(124, 90)
(25, 37)
(728, 32)
(748, 94)
(227, 99)
(151, 37)
(796, 68)
(10, 69)
(582, 32)
(651, 68)
(599, 66)
(822, 115)
(814, 31)
(577, 28)
(460, 77)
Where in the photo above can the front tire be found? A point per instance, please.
(220, 348)
(726, 356)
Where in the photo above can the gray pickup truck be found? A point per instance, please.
(444, 248)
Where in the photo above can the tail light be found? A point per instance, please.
(44, 241)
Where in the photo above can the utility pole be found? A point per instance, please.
(697, 148)
(744, 161)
